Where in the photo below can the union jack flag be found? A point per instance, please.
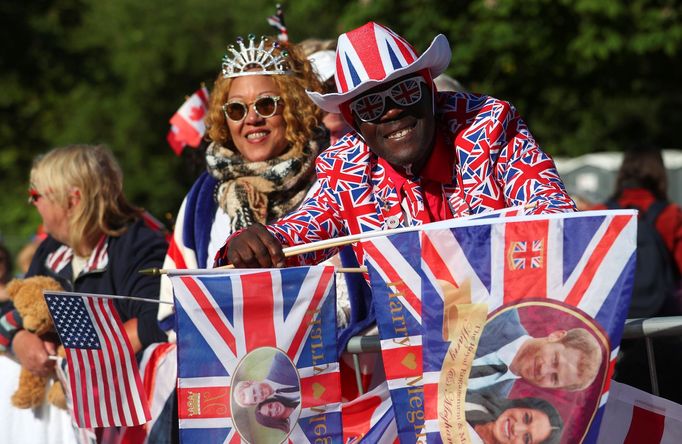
(223, 319)
(585, 268)
(396, 280)
(369, 107)
(520, 256)
(406, 92)
(104, 381)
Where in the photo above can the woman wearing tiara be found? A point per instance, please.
(264, 136)
(512, 421)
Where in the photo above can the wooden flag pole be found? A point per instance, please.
(352, 238)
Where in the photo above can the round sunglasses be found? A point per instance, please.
(264, 106)
(370, 107)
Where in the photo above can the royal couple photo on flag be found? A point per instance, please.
(268, 382)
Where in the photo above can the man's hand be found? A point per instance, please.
(32, 353)
(255, 247)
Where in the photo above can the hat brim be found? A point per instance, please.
(436, 59)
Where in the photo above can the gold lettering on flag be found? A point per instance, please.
(410, 361)
(462, 326)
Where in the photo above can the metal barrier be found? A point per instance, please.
(634, 329)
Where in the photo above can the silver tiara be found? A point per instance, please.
(254, 60)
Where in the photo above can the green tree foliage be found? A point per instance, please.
(587, 75)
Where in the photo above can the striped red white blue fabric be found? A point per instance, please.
(104, 379)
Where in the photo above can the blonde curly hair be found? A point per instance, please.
(300, 114)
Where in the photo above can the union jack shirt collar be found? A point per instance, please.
(62, 256)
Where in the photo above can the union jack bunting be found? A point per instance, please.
(104, 381)
(273, 327)
(576, 281)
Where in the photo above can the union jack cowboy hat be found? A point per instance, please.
(373, 54)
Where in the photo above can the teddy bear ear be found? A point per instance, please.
(13, 287)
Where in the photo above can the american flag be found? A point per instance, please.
(104, 380)
(581, 264)
(83, 435)
(223, 318)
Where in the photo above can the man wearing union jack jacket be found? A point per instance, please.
(416, 155)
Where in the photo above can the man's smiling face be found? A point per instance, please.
(401, 134)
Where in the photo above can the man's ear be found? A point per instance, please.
(556, 335)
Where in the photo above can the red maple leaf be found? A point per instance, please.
(197, 113)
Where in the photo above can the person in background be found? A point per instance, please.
(97, 243)
(323, 58)
(265, 135)
(446, 83)
(25, 255)
(642, 184)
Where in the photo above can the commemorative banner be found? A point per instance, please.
(520, 323)
(257, 356)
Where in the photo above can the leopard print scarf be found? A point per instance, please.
(261, 191)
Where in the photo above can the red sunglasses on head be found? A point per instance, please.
(33, 195)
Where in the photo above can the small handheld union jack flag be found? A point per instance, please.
(256, 344)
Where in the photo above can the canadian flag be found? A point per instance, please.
(187, 124)
(174, 140)
(633, 416)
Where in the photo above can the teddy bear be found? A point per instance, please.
(27, 296)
